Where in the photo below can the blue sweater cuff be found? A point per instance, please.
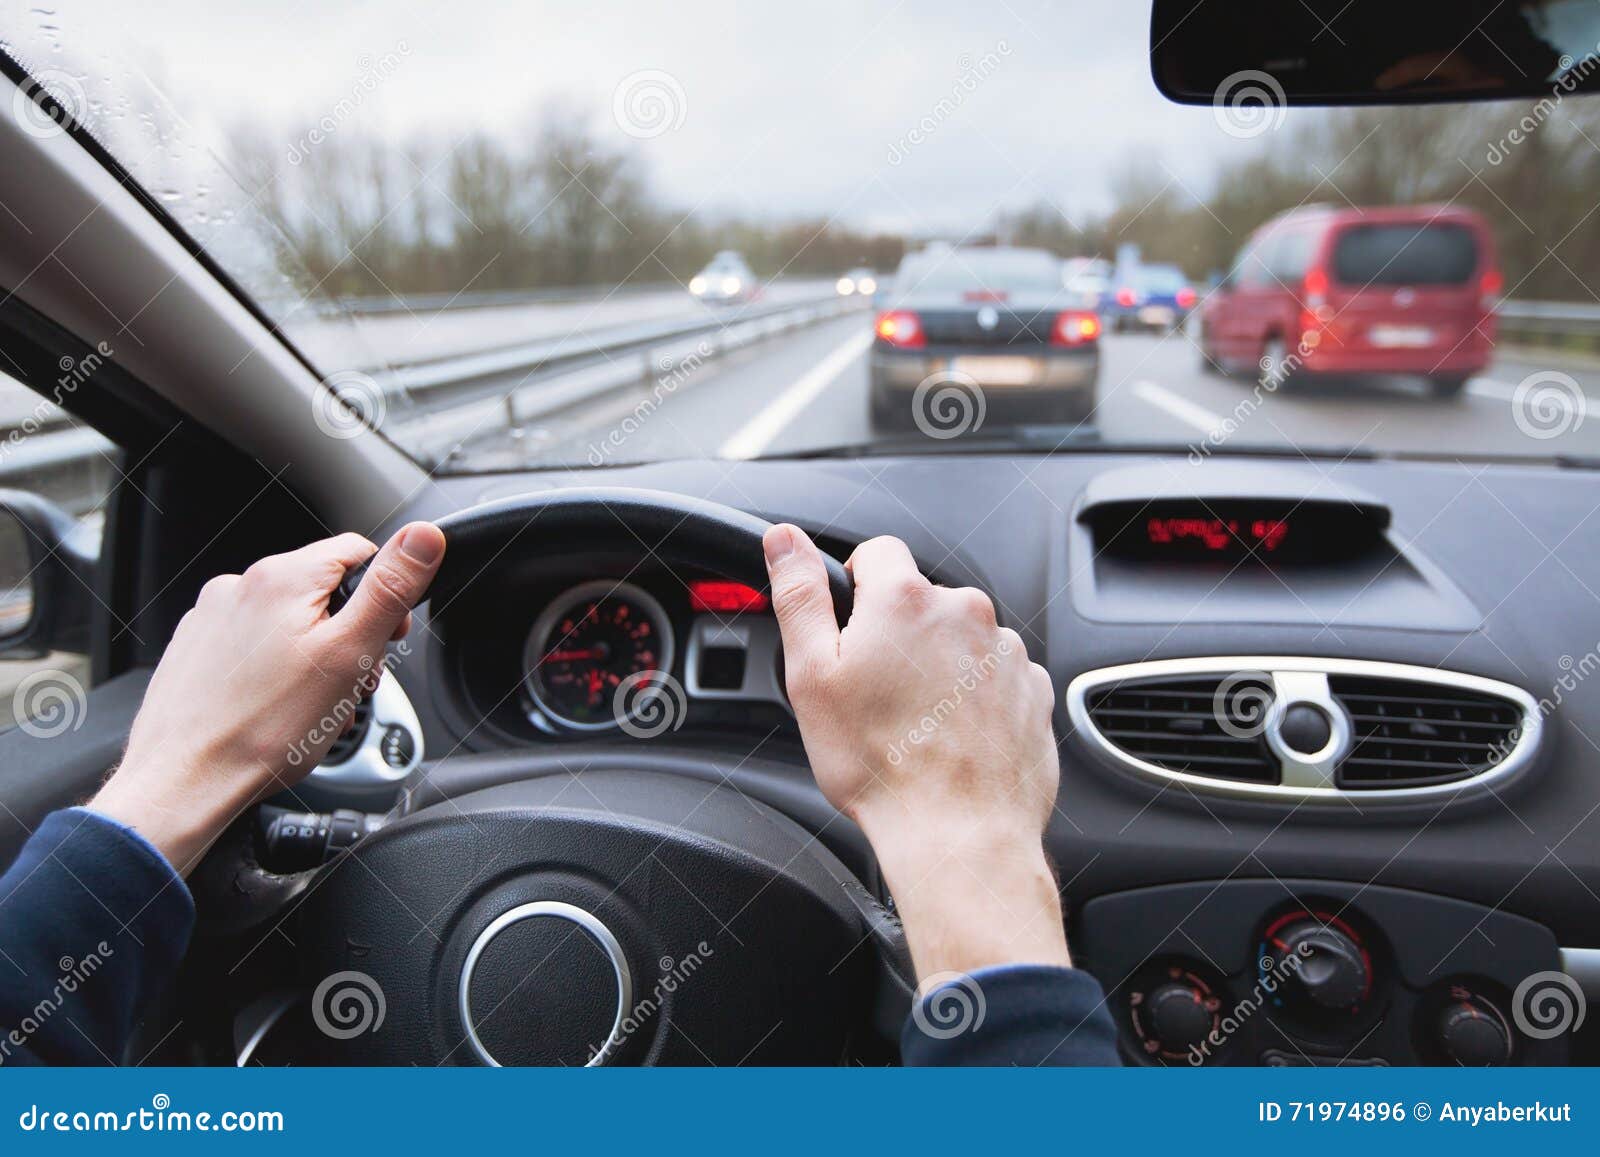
(1013, 1014)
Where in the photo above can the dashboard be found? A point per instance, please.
(1417, 801)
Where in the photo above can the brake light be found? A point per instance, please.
(976, 295)
(1186, 298)
(1489, 289)
(902, 328)
(1316, 287)
(1075, 327)
(724, 598)
(1125, 296)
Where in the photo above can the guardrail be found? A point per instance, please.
(1562, 324)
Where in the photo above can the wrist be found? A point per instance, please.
(177, 811)
(971, 897)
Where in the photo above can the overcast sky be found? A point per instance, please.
(771, 109)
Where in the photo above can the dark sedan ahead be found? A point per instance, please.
(982, 334)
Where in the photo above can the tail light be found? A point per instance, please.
(901, 328)
(1075, 327)
(1126, 297)
(1489, 289)
(1315, 291)
(1186, 298)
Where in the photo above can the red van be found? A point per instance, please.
(1338, 292)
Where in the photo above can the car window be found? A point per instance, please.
(1291, 255)
(46, 454)
(1413, 254)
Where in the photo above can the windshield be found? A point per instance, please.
(599, 234)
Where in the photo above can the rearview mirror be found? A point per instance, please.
(1270, 54)
(46, 577)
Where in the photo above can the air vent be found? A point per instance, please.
(1406, 733)
(1306, 730)
(348, 743)
(1202, 725)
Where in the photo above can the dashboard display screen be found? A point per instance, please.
(1234, 531)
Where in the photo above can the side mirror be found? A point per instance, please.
(47, 565)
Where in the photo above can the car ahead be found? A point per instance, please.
(1338, 292)
(1151, 297)
(860, 280)
(727, 279)
(996, 322)
(1089, 277)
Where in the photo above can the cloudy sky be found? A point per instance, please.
(832, 107)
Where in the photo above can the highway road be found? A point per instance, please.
(808, 391)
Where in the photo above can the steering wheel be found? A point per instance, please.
(612, 915)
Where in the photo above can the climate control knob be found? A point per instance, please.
(1179, 1016)
(1332, 968)
(1473, 1032)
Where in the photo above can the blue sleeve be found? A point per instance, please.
(93, 922)
(1018, 1014)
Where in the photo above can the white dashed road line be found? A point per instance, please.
(757, 434)
(1178, 407)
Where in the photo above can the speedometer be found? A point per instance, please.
(586, 647)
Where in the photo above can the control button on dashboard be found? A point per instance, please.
(1305, 728)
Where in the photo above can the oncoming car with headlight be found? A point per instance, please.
(726, 279)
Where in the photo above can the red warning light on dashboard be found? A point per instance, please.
(1218, 534)
(725, 598)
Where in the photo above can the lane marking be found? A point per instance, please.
(1178, 407)
(758, 433)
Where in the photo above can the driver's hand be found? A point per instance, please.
(258, 682)
(925, 723)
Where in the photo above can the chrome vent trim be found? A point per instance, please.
(1306, 778)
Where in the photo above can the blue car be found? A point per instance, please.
(1152, 297)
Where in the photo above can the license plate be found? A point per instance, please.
(1400, 336)
(1157, 315)
(998, 371)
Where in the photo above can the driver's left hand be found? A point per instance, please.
(258, 682)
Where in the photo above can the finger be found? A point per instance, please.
(801, 599)
(885, 572)
(394, 583)
(316, 568)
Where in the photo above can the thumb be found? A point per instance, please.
(801, 600)
(394, 582)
